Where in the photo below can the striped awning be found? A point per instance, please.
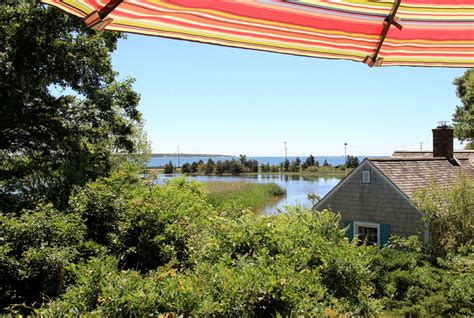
(377, 32)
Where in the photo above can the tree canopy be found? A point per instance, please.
(352, 162)
(64, 112)
(463, 116)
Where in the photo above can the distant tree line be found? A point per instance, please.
(245, 165)
(233, 166)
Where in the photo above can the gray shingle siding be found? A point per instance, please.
(375, 202)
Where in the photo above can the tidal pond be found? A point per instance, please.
(297, 186)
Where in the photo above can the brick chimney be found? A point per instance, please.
(443, 141)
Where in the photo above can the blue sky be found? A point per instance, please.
(212, 99)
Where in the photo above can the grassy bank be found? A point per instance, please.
(244, 194)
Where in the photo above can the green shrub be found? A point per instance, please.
(284, 264)
(166, 250)
(159, 223)
(410, 285)
(103, 290)
(310, 248)
(312, 169)
(274, 189)
(102, 203)
(450, 215)
(146, 226)
(35, 253)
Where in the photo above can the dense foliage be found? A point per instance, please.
(63, 111)
(127, 248)
(36, 248)
(309, 162)
(463, 116)
(352, 162)
(450, 215)
(409, 284)
(169, 243)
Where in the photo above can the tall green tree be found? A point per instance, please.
(64, 114)
(168, 167)
(186, 168)
(295, 165)
(463, 116)
(309, 162)
(210, 166)
(352, 162)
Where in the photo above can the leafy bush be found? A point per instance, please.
(101, 289)
(102, 203)
(146, 226)
(274, 189)
(35, 253)
(160, 223)
(299, 241)
(312, 169)
(243, 265)
(450, 215)
(409, 285)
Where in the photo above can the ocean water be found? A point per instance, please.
(157, 162)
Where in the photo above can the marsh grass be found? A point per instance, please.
(254, 196)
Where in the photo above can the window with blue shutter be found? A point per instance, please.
(384, 233)
(350, 229)
(368, 233)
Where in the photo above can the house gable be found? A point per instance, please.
(368, 165)
(378, 201)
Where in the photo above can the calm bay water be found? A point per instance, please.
(297, 187)
(161, 161)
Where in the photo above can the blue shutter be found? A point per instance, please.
(384, 233)
(350, 229)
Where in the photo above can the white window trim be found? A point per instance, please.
(369, 174)
(367, 224)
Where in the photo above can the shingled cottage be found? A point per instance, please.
(375, 199)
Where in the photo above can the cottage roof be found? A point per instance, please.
(410, 173)
(459, 154)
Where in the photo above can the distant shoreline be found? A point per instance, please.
(331, 172)
(184, 155)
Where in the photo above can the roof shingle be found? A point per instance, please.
(458, 154)
(411, 174)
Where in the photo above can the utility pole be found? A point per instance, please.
(345, 151)
(178, 157)
(421, 146)
(286, 154)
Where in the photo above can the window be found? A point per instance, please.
(365, 176)
(368, 232)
